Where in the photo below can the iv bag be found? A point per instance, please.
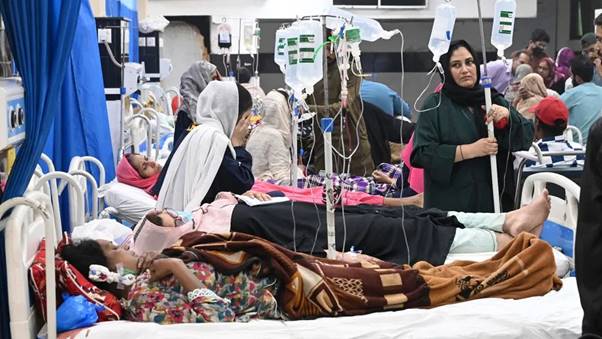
(224, 35)
(443, 27)
(280, 49)
(503, 25)
(370, 29)
(309, 70)
(292, 59)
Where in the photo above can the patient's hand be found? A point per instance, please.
(258, 195)
(382, 178)
(162, 268)
(146, 260)
(353, 258)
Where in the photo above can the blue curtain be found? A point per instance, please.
(126, 9)
(41, 36)
(81, 126)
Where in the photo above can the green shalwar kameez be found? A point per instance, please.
(466, 185)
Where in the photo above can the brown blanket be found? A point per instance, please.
(314, 287)
(524, 268)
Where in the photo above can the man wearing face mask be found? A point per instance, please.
(537, 46)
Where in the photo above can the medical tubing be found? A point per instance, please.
(432, 74)
(306, 185)
(294, 226)
(508, 151)
(111, 56)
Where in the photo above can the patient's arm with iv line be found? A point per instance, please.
(417, 200)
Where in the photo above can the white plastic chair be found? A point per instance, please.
(571, 131)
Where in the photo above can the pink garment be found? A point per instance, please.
(416, 177)
(314, 194)
(128, 175)
(212, 218)
(216, 216)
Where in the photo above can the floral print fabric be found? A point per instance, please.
(242, 297)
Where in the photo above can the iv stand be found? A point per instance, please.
(486, 80)
(327, 127)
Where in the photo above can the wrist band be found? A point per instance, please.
(461, 153)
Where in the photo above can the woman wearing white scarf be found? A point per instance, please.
(211, 158)
(270, 142)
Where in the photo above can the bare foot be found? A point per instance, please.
(529, 218)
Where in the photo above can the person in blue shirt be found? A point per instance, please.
(598, 61)
(583, 101)
(383, 97)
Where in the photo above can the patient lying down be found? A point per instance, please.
(236, 277)
(431, 234)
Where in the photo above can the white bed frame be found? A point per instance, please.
(31, 220)
(37, 216)
(151, 134)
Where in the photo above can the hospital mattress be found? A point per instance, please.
(555, 315)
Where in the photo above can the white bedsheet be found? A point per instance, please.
(555, 315)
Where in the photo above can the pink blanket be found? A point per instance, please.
(314, 194)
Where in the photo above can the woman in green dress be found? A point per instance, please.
(451, 142)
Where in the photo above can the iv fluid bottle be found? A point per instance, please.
(292, 59)
(443, 27)
(280, 50)
(309, 70)
(503, 25)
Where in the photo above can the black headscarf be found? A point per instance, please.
(588, 248)
(245, 102)
(472, 97)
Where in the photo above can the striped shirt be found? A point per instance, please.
(557, 144)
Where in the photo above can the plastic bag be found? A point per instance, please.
(152, 24)
(75, 312)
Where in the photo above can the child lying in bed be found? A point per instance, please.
(234, 277)
(386, 233)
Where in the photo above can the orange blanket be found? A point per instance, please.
(524, 268)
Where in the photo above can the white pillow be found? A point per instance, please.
(131, 202)
(105, 229)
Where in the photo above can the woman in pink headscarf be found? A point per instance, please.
(551, 78)
(138, 171)
(563, 65)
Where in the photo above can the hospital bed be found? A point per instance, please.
(556, 315)
(149, 132)
(523, 172)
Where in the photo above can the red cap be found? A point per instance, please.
(550, 109)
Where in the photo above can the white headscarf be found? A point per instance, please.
(276, 115)
(195, 163)
(270, 142)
